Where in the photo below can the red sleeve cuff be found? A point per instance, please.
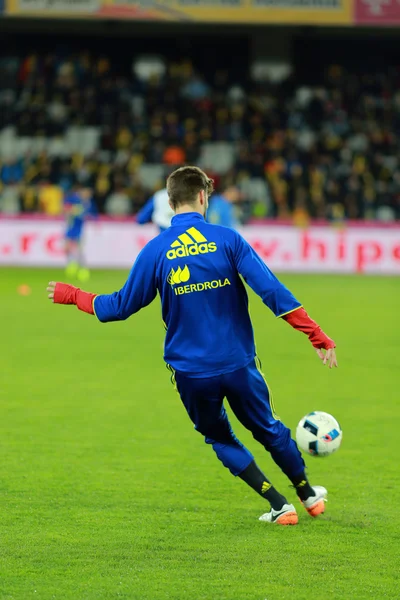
(69, 294)
(84, 301)
(300, 320)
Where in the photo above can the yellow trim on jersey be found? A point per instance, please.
(173, 378)
(289, 311)
(271, 399)
(94, 310)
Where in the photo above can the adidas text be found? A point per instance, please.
(192, 250)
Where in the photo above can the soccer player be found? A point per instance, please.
(222, 207)
(197, 267)
(78, 206)
(158, 210)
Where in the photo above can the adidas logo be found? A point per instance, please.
(190, 243)
(265, 487)
(179, 276)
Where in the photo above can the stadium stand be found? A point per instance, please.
(329, 151)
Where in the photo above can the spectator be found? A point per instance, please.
(51, 199)
(11, 172)
(174, 155)
(329, 151)
(195, 88)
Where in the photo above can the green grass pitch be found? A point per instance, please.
(107, 492)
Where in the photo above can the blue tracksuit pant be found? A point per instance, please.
(249, 398)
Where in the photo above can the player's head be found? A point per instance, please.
(85, 193)
(232, 193)
(189, 189)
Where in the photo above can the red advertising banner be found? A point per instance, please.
(377, 12)
(108, 244)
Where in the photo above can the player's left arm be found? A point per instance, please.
(280, 300)
(139, 290)
(146, 212)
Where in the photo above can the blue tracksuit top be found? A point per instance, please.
(196, 268)
(221, 212)
(77, 216)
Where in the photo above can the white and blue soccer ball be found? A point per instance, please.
(319, 434)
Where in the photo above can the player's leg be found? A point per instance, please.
(250, 400)
(203, 400)
(83, 272)
(74, 252)
(71, 251)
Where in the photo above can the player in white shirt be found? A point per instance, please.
(156, 210)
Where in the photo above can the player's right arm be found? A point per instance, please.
(279, 299)
(139, 290)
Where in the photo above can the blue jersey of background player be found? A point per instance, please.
(196, 268)
(156, 210)
(221, 210)
(78, 206)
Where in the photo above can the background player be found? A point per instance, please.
(78, 206)
(157, 210)
(209, 346)
(222, 209)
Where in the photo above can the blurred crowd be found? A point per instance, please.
(331, 151)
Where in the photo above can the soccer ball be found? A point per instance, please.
(318, 434)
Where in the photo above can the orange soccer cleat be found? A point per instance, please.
(315, 505)
(287, 515)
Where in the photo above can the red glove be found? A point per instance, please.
(69, 294)
(300, 320)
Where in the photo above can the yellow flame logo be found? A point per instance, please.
(179, 276)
